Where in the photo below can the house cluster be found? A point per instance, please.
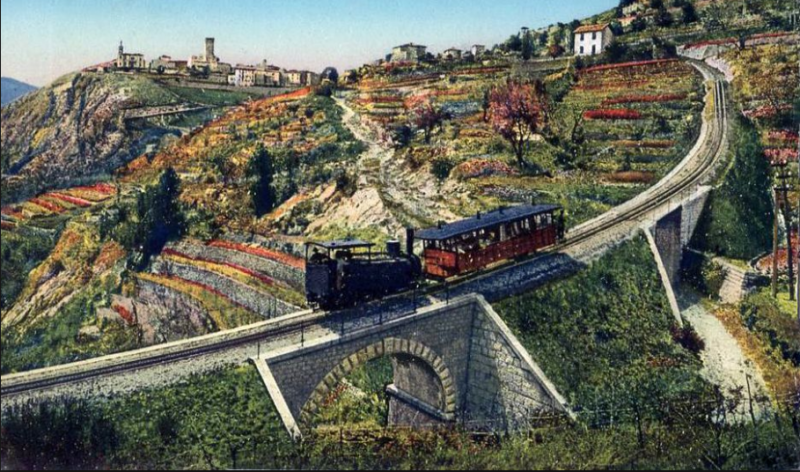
(266, 75)
(414, 53)
(207, 66)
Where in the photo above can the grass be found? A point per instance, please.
(226, 420)
(604, 336)
(54, 341)
(779, 374)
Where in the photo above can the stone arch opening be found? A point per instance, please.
(423, 392)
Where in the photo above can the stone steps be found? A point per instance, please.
(737, 283)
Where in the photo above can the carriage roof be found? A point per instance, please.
(488, 220)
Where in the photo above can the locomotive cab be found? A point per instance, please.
(339, 273)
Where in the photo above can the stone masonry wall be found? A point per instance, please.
(446, 333)
(668, 236)
(504, 395)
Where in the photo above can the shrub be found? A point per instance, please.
(441, 168)
(613, 114)
(713, 276)
(688, 338)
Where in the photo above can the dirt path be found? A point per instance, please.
(365, 208)
(724, 362)
(409, 198)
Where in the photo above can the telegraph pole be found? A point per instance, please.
(784, 175)
(775, 245)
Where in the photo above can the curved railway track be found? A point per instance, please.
(692, 171)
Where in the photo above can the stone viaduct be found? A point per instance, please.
(454, 363)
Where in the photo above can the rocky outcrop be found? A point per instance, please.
(74, 131)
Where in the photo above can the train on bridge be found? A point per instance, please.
(342, 273)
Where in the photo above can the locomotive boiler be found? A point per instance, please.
(341, 273)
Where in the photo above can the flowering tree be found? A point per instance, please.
(427, 118)
(518, 112)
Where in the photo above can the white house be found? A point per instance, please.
(408, 53)
(591, 40)
(452, 54)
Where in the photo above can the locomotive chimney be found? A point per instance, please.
(393, 248)
(478, 215)
(410, 241)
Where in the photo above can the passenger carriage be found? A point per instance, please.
(475, 243)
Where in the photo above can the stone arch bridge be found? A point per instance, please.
(454, 363)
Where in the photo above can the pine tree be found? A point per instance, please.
(262, 171)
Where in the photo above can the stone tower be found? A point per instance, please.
(121, 50)
(210, 50)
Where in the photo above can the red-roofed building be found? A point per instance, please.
(591, 40)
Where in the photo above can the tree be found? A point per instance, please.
(663, 18)
(689, 13)
(556, 50)
(514, 43)
(778, 85)
(518, 112)
(616, 51)
(656, 4)
(441, 168)
(401, 136)
(738, 218)
(331, 74)
(486, 105)
(262, 172)
(638, 24)
(716, 16)
(160, 217)
(428, 118)
(527, 47)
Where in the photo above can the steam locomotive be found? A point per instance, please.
(341, 273)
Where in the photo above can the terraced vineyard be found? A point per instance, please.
(66, 202)
(611, 132)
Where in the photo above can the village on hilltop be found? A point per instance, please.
(207, 67)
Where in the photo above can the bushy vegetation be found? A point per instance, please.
(604, 337)
(226, 420)
(22, 250)
(704, 274)
(738, 216)
(775, 324)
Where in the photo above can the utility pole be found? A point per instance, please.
(775, 245)
(784, 175)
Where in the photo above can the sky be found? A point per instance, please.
(44, 39)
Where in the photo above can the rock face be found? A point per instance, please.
(74, 130)
(11, 90)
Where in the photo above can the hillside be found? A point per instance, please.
(86, 259)
(81, 128)
(11, 89)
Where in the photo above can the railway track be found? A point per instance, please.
(689, 174)
(684, 179)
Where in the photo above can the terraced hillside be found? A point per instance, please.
(75, 130)
(91, 283)
(612, 132)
